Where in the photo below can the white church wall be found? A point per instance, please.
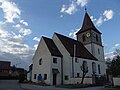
(77, 67)
(56, 66)
(116, 81)
(88, 46)
(66, 59)
(78, 80)
(43, 53)
(99, 56)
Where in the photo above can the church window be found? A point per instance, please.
(45, 76)
(40, 61)
(93, 67)
(97, 38)
(66, 77)
(78, 74)
(35, 75)
(83, 37)
(84, 65)
(98, 51)
(99, 69)
(76, 60)
(54, 60)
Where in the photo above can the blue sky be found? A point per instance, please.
(23, 22)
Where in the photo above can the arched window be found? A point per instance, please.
(40, 61)
(83, 37)
(93, 67)
(97, 38)
(85, 65)
(98, 51)
(99, 69)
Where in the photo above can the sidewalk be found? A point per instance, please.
(37, 87)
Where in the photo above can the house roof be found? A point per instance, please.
(52, 47)
(87, 25)
(5, 65)
(81, 51)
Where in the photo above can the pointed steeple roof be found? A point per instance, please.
(87, 25)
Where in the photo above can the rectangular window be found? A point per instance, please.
(76, 60)
(45, 76)
(98, 51)
(35, 75)
(99, 69)
(40, 61)
(78, 74)
(54, 60)
(66, 77)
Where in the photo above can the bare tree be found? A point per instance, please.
(84, 69)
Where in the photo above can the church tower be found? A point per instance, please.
(91, 38)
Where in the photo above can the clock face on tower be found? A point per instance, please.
(88, 34)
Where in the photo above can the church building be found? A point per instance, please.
(58, 60)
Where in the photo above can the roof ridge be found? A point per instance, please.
(67, 37)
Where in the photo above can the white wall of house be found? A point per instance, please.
(43, 53)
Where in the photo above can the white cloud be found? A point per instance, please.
(25, 31)
(10, 9)
(99, 21)
(107, 15)
(117, 45)
(36, 39)
(17, 26)
(92, 18)
(73, 33)
(23, 22)
(61, 16)
(72, 7)
(22, 30)
(13, 35)
(109, 55)
(35, 46)
(82, 3)
(115, 50)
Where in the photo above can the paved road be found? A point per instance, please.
(14, 85)
(9, 85)
(37, 87)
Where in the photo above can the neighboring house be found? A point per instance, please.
(29, 73)
(15, 72)
(4, 68)
(59, 60)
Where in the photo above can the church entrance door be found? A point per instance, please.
(54, 79)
